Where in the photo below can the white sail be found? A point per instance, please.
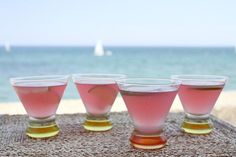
(99, 50)
(7, 47)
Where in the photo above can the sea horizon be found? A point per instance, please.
(142, 61)
(125, 46)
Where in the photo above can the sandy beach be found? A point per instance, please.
(224, 109)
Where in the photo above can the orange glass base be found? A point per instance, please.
(147, 141)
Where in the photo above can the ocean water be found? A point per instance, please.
(133, 61)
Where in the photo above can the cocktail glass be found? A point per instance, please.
(148, 101)
(40, 96)
(198, 95)
(98, 93)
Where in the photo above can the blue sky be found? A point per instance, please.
(118, 22)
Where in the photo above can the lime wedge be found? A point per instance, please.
(106, 93)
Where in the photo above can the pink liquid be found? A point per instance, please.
(97, 98)
(40, 100)
(199, 99)
(148, 109)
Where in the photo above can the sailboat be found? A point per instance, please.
(7, 47)
(99, 50)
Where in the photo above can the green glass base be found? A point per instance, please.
(197, 124)
(42, 128)
(154, 141)
(97, 123)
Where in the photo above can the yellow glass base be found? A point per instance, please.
(147, 141)
(42, 128)
(195, 125)
(197, 128)
(101, 124)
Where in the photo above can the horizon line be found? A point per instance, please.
(232, 46)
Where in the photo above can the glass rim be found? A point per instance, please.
(200, 78)
(170, 82)
(38, 78)
(96, 76)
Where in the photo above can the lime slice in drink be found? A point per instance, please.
(105, 93)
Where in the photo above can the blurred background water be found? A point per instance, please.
(132, 61)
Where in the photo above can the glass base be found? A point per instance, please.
(143, 141)
(101, 123)
(42, 127)
(197, 124)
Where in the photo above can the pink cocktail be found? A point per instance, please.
(98, 93)
(98, 97)
(148, 102)
(198, 95)
(40, 96)
(199, 99)
(40, 101)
